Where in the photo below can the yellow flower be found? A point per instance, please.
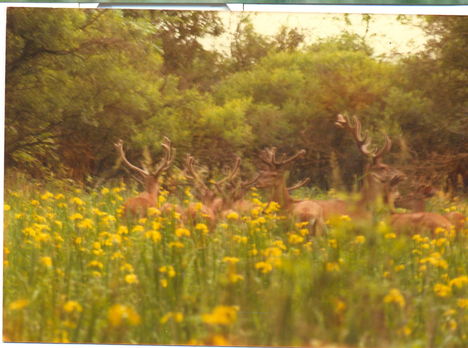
(202, 228)
(232, 216)
(86, 223)
(119, 314)
(240, 239)
(181, 232)
(18, 304)
(272, 207)
(340, 306)
(77, 201)
(169, 270)
(127, 267)
(295, 239)
(152, 211)
(231, 260)
(46, 196)
(35, 202)
(383, 228)
(131, 279)
(177, 245)
(459, 282)
(59, 196)
(462, 302)
(442, 290)
(333, 243)
(234, 277)
(399, 268)
(279, 244)
(138, 228)
(72, 306)
(105, 191)
(395, 296)
(390, 235)
(332, 266)
(178, 317)
(96, 264)
(221, 315)
(46, 261)
(272, 252)
(345, 218)
(360, 239)
(6, 207)
(117, 255)
(96, 274)
(163, 282)
(122, 230)
(76, 216)
(264, 267)
(154, 235)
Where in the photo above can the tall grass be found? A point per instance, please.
(75, 270)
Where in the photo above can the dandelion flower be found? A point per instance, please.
(231, 260)
(72, 306)
(119, 314)
(221, 315)
(264, 267)
(46, 261)
(442, 290)
(395, 296)
(181, 232)
(131, 278)
(18, 304)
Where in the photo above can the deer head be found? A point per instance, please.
(227, 190)
(380, 179)
(149, 174)
(273, 174)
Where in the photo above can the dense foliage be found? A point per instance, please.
(79, 80)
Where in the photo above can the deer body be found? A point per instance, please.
(274, 179)
(381, 180)
(138, 206)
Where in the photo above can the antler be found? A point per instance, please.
(169, 154)
(119, 146)
(298, 184)
(362, 140)
(191, 174)
(268, 156)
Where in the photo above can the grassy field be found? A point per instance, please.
(75, 270)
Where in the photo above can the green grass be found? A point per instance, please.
(75, 271)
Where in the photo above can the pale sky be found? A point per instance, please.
(386, 33)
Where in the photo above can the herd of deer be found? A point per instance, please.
(218, 198)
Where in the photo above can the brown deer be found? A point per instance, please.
(224, 195)
(274, 178)
(415, 201)
(381, 180)
(149, 177)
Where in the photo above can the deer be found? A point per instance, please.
(224, 195)
(274, 179)
(415, 201)
(149, 177)
(381, 180)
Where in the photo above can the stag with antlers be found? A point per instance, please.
(381, 180)
(274, 179)
(219, 196)
(148, 176)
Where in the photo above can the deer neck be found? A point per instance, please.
(152, 188)
(280, 194)
(370, 192)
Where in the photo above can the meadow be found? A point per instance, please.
(76, 270)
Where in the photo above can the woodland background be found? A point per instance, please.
(78, 80)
